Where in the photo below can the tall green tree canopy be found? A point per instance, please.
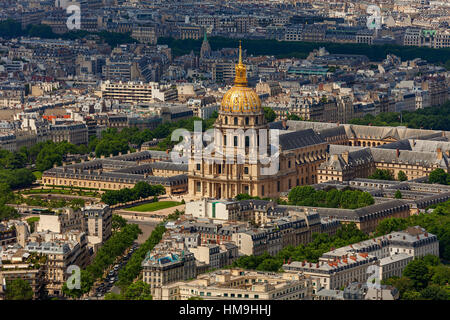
(18, 289)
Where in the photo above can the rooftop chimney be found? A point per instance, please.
(439, 153)
(345, 156)
(398, 152)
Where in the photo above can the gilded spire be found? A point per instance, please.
(240, 53)
(241, 71)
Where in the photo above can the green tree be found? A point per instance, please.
(382, 174)
(411, 295)
(138, 290)
(434, 292)
(118, 222)
(301, 195)
(269, 114)
(114, 296)
(417, 271)
(401, 176)
(294, 117)
(398, 194)
(438, 176)
(18, 289)
(441, 275)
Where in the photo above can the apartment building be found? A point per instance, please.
(97, 224)
(62, 251)
(161, 267)
(127, 92)
(335, 274)
(19, 264)
(394, 265)
(76, 133)
(65, 219)
(216, 256)
(237, 284)
(94, 220)
(7, 235)
(145, 34)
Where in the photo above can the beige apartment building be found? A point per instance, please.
(127, 92)
(75, 133)
(145, 34)
(237, 284)
(334, 274)
(17, 263)
(63, 220)
(161, 267)
(62, 251)
(97, 224)
(94, 220)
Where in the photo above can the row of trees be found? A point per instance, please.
(137, 290)
(141, 190)
(346, 198)
(113, 141)
(13, 29)
(436, 118)
(13, 165)
(6, 196)
(321, 243)
(133, 268)
(423, 279)
(106, 255)
(287, 49)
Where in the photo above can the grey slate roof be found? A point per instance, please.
(299, 139)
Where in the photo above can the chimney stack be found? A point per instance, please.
(345, 156)
(439, 153)
(398, 153)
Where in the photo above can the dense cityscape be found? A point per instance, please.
(224, 150)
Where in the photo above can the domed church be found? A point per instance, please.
(300, 152)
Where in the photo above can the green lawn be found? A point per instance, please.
(154, 206)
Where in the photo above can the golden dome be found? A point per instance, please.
(241, 98)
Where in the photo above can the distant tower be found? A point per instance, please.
(205, 51)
